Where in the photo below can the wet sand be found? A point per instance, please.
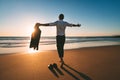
(96, 63)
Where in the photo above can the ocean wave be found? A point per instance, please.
(11, 42)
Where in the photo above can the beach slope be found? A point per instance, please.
(96, 63)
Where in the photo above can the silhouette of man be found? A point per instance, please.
(60, 38)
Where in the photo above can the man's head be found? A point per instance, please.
(61, 16)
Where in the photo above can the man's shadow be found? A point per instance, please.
(85, 77)
(55, 70)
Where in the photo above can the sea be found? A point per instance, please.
(12, 44)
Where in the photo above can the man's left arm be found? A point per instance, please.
(73, 25)
(76, 25)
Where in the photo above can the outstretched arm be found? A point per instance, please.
(73, 25)
(44, 24)
(76, 25)
(48, 24)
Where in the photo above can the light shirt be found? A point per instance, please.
(61, 26)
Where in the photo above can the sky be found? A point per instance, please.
(97, 17)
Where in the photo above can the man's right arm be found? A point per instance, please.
(49, 24)
(44, 24)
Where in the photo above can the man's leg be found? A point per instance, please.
(60, 46)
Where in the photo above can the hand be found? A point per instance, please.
(78, 25)
(37, 24)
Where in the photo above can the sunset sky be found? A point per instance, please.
(98, 17)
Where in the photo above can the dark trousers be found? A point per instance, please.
(60, 45)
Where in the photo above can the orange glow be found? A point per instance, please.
(32, 51)
(30, 30)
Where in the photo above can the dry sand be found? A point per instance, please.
(98, 63)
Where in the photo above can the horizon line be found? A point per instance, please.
(70, 36)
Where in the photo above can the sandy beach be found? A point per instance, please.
(96, 63)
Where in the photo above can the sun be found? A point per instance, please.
(30, 30)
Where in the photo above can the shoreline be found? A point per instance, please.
(21, 44)
(24, 52)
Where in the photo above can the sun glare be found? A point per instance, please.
(32, 51)
(30, 30)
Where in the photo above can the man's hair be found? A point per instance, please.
(61, 16)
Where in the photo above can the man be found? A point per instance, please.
(60, 38)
